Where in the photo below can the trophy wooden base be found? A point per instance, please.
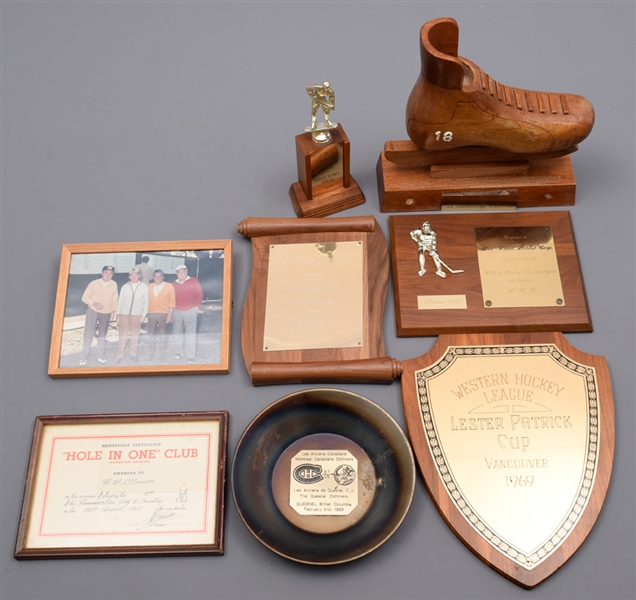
(407, 181)
(328, 203)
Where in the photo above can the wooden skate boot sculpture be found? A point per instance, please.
(476, 141)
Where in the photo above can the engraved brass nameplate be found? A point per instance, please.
(442, 302)
(512, 435)
(331, 177)
(323, 482)
(314, 296)
(518, 267)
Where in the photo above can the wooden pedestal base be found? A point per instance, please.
(328, 203)
(405, 186)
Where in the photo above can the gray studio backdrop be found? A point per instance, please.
(144, 121)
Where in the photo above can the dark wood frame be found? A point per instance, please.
(454, 518)
(457, 246)
(367, 364)
(68, 250)
(215, 546)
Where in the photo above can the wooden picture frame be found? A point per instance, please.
(74, 352)
(456, 303)
(363, 360)
(125, 485)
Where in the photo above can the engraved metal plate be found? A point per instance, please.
(518, 267)
(331, 177)
(314, 296)
(324, 483)
(511, 438)
(442, 302)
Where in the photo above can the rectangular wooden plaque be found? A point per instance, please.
(520, 273)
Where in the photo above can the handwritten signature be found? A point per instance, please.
(158, 518)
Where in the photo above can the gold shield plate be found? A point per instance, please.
(514, 436)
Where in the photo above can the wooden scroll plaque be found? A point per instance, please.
(313, 310)
(500, 272)
(514, 437)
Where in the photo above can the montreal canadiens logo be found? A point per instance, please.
(307, 473)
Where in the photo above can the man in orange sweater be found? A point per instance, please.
(161, 303)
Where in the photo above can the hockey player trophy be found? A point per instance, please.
(324, 184)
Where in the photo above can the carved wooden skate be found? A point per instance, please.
(476, 141)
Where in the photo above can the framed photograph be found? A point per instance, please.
(125, 485)
(146, 308)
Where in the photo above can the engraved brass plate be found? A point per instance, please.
(331, 177)
(515, 432)
(518, 267)
(442, 302)
(324, 483)
(314, 296)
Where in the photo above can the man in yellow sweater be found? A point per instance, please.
(101, 298)
(161, 303)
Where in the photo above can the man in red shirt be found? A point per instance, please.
(188, 298)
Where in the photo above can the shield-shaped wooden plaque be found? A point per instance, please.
(514, 437)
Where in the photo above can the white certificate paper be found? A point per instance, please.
(126, 484)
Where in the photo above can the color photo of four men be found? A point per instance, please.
(160, 302)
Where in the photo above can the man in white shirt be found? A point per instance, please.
(132, 308)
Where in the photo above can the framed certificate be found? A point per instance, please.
(124, 485)
(143, 308)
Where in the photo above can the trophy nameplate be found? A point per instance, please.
(313, 311)
(514, 436)
(487, 272)
(324, 185)
(518, 267)
(314, 296)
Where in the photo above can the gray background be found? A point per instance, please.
(139, 121)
